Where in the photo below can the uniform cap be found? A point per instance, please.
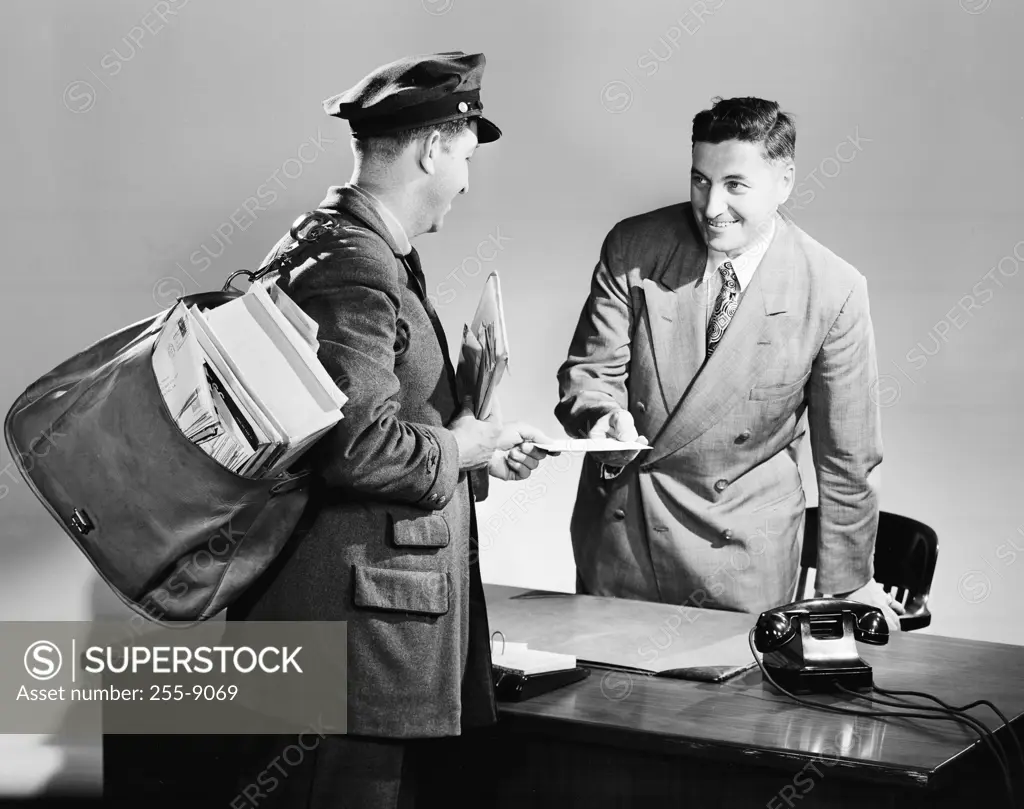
(416, 91)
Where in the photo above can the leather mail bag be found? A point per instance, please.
(175, 534)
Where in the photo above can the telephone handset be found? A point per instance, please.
(809, 645)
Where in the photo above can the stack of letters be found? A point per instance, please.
(484, 356)
(243, 382)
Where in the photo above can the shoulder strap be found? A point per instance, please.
(319, 224)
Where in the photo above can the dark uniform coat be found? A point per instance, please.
(388, 541)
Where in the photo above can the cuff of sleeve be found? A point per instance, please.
(442, 468)
(610, 472)
(593, 415)
(842, 585)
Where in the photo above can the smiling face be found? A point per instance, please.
(735, 192)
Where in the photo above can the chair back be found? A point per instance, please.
(906, 551)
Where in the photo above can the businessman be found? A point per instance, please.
(711, 327)
(389, 541)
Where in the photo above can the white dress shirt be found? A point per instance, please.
(744, 265)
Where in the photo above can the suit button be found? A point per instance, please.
(720, 485)
(641, 407)
(742, 437)
(619, 514)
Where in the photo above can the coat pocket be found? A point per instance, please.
(422, 531)
(421, 592)
(778, 500)
(775, 392)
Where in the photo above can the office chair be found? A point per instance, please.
(905, 555)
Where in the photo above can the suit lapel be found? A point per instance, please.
(676, 337)
(739, 358)
(675, 313)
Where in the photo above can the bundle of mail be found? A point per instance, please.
(484, 356)
(243, 382)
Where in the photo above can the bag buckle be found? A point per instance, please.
(80, 522)
(291, 483)
(227, 284)
(321, 223)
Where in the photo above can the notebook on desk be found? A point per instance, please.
(523, 673)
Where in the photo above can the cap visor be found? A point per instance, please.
(486, 131)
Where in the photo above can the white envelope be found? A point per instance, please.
(591, 445)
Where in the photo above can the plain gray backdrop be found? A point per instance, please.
(151, 148)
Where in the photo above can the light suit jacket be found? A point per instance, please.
(712, 515)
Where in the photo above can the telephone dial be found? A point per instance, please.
(809, 645)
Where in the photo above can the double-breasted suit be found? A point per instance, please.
(712, 515)
(388, 541)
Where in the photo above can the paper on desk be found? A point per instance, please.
(641, 636)
(590, 445)
(519, 657)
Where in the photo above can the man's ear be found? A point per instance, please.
(787, 180)
(430, 150)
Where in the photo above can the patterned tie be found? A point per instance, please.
(725, 307)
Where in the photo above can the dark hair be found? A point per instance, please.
(388, 147)
(752, 120)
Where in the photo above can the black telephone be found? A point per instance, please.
(809, 645)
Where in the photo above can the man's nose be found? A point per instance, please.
(715, 204)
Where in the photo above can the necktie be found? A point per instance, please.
(412, 263)
(725, 307)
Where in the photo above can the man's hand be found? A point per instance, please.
(517, 454)
(873, 594)
(477, 439)
(618, 425)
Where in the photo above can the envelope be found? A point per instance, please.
(591, 445)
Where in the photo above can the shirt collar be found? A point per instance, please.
(746, 263)
(394, 226)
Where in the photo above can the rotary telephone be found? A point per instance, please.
(809, 645)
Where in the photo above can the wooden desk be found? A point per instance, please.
(622, 740)
(619, 739)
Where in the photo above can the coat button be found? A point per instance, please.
(619, 514)
(641, 407)
(720, 485)
(742, 437)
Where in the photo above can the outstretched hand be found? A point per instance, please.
(517, 454)
(618, 425)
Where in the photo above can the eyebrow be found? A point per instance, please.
(727, 177)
